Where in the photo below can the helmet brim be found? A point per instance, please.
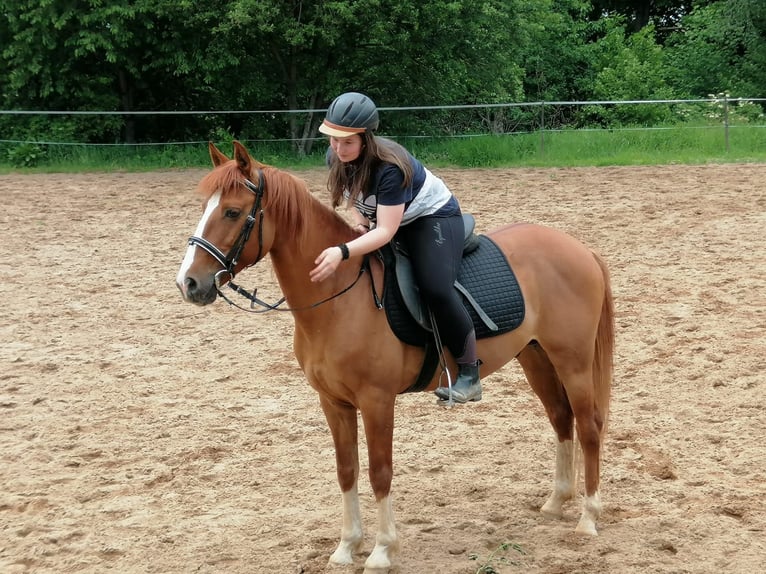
(331, 129)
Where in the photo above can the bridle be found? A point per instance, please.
(229, 261)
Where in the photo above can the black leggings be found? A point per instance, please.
(435, 245)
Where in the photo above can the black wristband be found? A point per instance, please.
(344, 250)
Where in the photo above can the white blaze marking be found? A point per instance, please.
(212, 204)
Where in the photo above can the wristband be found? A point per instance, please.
(344, 250)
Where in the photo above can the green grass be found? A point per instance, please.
(683, 145)
(598, 148)
(134, 158)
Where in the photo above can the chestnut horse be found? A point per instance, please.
(354, 361)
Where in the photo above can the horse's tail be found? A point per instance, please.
(603, 358)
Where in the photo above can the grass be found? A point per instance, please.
(134, 158)
(598, 148)
(570, 148)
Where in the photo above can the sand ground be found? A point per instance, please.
(142, 434)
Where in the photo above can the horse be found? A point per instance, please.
(356, 364)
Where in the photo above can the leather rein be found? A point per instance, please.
(229, 260)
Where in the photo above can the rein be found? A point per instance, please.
(229, 261)
(269, 307)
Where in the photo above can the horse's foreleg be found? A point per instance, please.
(386, 540)
(351, 534)
(343, 426)
(379, 429)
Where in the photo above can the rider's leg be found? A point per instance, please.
(435, 245)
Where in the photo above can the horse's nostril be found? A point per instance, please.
(191, 284)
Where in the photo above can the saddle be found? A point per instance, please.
(486, 283)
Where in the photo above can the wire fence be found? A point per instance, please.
(433, 122)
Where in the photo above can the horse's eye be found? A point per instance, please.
(231, 213)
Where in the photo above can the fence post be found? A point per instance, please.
(726, 120)
(542, 128)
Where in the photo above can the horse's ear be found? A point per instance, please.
(216, 155)
(245, 161)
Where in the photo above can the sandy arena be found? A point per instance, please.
(141, 434)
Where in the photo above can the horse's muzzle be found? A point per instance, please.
(196, 292)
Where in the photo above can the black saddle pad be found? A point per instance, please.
(489, 280)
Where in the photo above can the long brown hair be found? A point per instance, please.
(357, 175)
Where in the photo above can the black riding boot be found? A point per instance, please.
(467, 387)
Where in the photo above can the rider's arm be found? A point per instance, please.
(388, 219)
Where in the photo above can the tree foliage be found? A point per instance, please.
(663, 15)
(258, 55)
(721, 48)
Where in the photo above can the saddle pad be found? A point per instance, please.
(488, 278)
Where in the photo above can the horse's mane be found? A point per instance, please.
(286, 198)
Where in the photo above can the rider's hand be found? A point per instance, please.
(326, 263)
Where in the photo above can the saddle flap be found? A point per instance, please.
(408, 288)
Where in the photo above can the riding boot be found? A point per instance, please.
(467, 387)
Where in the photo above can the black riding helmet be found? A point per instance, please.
(350, 113)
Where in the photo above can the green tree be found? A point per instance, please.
(664, 15)
(554, 51)
(103, 55)
(400, 52)
(447, 52)
(630, 68)
(722, 48)
(251, 55)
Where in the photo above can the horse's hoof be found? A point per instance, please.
(344, 554)
(552, 512)
(586, 528)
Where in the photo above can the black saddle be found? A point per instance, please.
(486, 283)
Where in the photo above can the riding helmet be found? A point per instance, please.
(350, 113)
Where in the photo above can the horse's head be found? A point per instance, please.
(232, 234)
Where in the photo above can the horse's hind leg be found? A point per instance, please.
(344, 428)
(575, 371)
(546, 385)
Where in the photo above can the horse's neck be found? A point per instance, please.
(293, 256)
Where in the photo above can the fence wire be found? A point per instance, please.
(448, 121)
